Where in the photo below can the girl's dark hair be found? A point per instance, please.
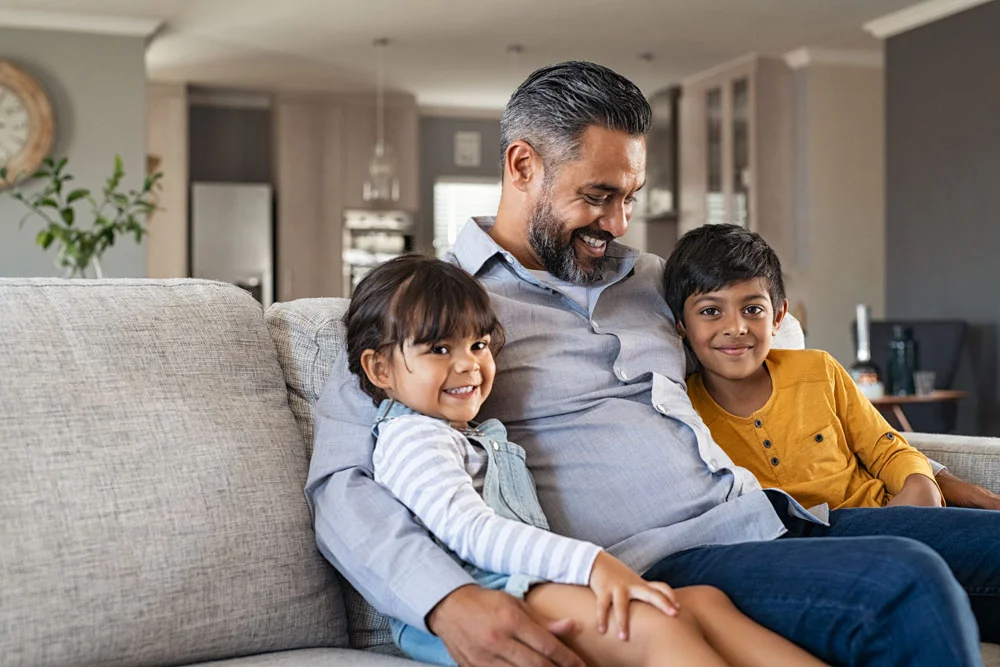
(711, 257)
(417, 299)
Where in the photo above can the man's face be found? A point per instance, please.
(586, 203)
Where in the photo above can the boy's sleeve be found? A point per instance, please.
(881, 449)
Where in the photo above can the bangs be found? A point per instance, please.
(434, 307)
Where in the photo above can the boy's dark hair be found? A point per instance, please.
(418, 299)
(713, 256)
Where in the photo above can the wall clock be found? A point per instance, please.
(26, 123)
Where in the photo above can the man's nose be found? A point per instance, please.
(615, 219)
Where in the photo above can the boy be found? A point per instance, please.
(792, 417)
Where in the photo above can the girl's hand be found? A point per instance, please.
(616, 585)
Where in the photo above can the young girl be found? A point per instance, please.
(421, 336)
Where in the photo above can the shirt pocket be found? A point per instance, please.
(819, 453)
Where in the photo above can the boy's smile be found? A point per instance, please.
(730, 330)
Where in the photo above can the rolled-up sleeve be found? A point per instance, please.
(361, 528)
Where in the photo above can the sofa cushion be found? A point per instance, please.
(309, 334)
(151, 477)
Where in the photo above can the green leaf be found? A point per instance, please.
(3, 173)
(67, 215)
(48, 202)
(44, 239)
(119, 168)
(62, 163)
(77, 194)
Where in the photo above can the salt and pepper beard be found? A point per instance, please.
(557, 256)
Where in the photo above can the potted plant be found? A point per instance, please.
(110, 214)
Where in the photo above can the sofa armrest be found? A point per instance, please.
(974, 459)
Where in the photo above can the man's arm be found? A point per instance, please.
(373, 541)
(959, 493)
(360, 527)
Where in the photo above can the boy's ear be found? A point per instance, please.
(376, 367)
(779, 316)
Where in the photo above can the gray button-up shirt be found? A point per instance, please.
(597, 399)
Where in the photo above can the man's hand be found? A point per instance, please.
(918, 490)
(485, 628)
(959, 493)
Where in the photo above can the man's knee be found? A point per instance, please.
(912, 569)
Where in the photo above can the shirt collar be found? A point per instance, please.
(474, 247)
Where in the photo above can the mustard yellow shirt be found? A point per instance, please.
(817, 437)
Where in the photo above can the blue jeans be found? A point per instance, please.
(882, 586)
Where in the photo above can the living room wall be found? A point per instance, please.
(437, 160)
(942, 163)
(97, 85)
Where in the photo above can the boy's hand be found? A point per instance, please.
(616, 585)
(918, 490)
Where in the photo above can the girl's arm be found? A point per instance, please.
(421, 461)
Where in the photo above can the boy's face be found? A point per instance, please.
(730, 329)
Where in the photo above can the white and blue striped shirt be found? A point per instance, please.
(438, 474)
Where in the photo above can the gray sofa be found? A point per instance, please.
(155, 437)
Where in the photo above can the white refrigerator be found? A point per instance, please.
(232, 236)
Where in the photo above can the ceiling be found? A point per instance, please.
(454, 53)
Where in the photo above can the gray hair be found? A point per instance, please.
(556, 104)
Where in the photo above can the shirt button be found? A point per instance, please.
(593, 323)
(775, 461)
(767, 444)
(713, 465)
(623, 375)
(659, 407)
(819, 437)
(758, 423)
(510, 260)
(496, 445)
(889, 436)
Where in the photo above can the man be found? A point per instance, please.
(591, 384)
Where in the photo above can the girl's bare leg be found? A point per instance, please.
(655, 639)
(737, 637)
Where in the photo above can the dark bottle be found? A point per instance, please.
(901, 362)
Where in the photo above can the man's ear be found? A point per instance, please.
(522, 165)
(779, 316)
(376, 367)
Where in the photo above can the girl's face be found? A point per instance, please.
(447, 379)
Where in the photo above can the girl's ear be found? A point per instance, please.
(376, 367)
(680, 329)
(779, 316)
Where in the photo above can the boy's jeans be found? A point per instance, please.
(880, 586)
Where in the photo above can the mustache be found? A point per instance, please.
(599, 234)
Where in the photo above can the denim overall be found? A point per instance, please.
(510, 491)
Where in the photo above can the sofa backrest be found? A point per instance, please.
(308, 335)
(151, 477)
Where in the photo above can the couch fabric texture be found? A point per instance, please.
(151, 481)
